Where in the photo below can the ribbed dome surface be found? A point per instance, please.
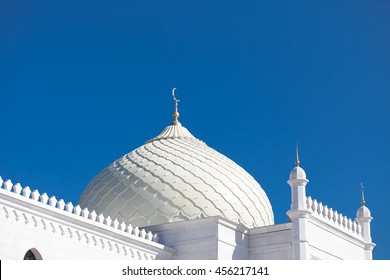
(176, 177)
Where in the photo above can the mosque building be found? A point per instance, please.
(175, 198)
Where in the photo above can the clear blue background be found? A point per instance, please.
(84, 82)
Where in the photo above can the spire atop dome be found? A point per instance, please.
(297, 172)
(297, 162)
(176, 113)
(362, 187)
(175, 130)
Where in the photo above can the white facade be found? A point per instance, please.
(55, 230)
(176, 198)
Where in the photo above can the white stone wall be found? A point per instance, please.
(211, 238)
(192, 240)
(270, 242)
(232, 241)
(332, 235)
(327, 243)
(55, 230)
(218, 238)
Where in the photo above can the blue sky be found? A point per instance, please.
(84, 82)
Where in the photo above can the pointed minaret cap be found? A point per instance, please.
(297, 172)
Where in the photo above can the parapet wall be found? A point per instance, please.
(333, 218)
(31, 209)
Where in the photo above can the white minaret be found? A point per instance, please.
(298, 212)
(363, 217)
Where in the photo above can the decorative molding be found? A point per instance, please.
(76, 210)
(54, 216)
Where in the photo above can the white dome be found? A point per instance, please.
(176, 177)
(363, 212)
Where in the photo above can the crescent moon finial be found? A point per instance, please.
(176, 113)
(173, 93)
(174, 97)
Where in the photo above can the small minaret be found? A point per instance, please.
(363, 217)
(298, 212)
(298, 183)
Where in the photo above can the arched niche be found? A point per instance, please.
(32, 254)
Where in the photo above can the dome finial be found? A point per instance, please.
(362, 187)
(176, 113)
(296, 155)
